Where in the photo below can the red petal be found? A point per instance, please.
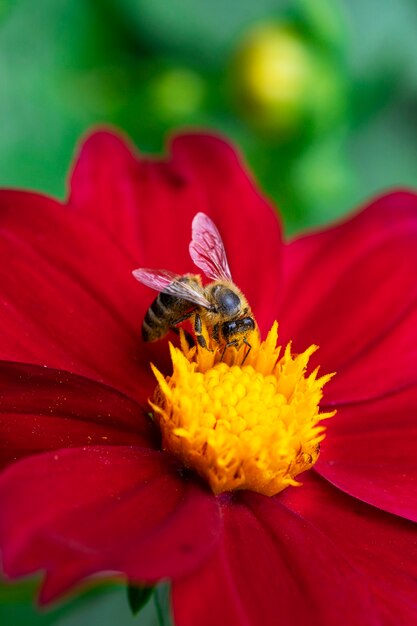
(118, 509)
(106, 187)
(370, 452)
(147, 207)
(271, 568)
(68, 297)
(45, 409)
(381, 547)
(352, 290)
(378, 374)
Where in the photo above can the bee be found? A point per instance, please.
(220, 304)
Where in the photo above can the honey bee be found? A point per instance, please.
(220, 304)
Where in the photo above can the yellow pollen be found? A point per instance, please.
(253, 426)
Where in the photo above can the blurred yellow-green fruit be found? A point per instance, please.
(280, 82)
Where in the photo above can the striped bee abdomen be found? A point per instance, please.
(165, 312)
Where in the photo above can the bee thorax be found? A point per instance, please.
(227, 302)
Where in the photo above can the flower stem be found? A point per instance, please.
(158, 608)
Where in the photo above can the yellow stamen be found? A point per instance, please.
(254, 426)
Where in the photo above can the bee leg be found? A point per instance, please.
(183, 318)
(229, 345)
(198, 327)
(248, 350)
(201, 341)
(216, 333)
(188, 336)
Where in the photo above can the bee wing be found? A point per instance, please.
(173, 284)
(207, 249)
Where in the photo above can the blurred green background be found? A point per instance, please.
(320, 95)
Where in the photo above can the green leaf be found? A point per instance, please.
(138, 597)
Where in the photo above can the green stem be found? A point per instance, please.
(159, 611)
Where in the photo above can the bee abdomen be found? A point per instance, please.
(156, 322)
(164, 311)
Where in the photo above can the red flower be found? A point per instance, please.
(90, 491)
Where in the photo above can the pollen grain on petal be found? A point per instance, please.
(253, 426)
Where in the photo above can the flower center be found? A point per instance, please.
(252, 426)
